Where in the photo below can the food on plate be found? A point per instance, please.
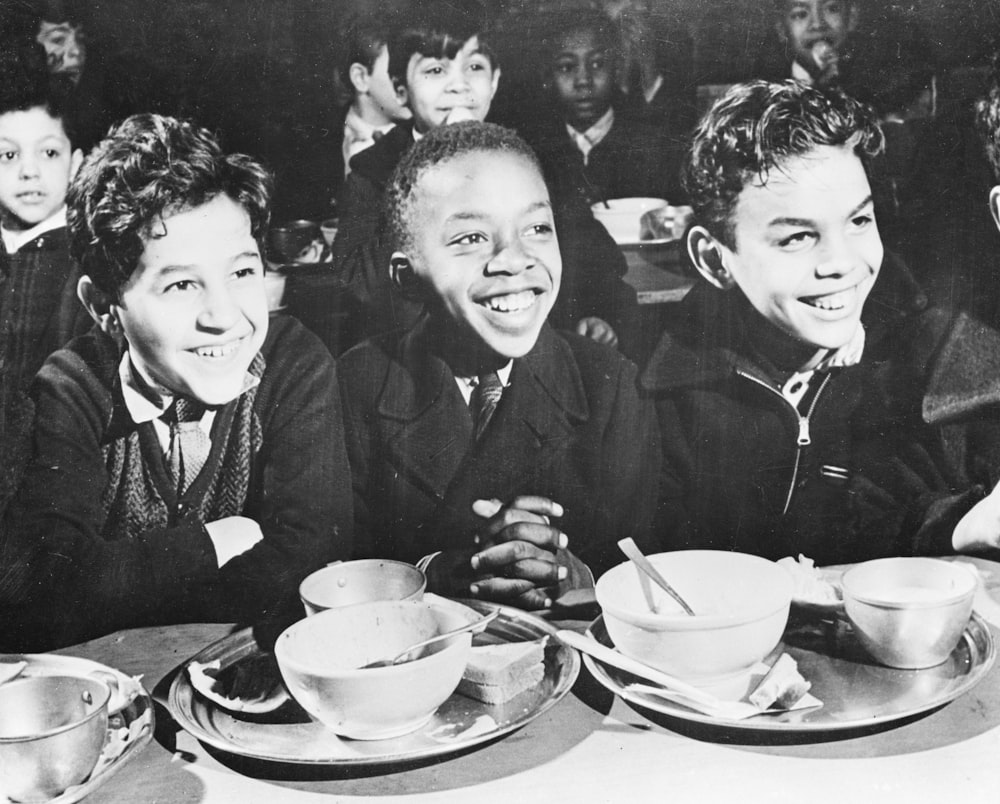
(811, 587)
(497, 673)
(782, 687)
(252, 685)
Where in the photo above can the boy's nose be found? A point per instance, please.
(510, 258)
(584, 77)
(28, 166)
(219, 309)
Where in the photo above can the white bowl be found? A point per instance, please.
(363, 581)
(621, 216)
(322, 661)
(909, 612)
(741, 604)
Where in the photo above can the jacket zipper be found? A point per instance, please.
(803, 439)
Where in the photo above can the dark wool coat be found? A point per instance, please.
(593, 266)
(861, 477)
(62, 579)
(570, 426)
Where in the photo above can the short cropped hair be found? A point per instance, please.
(437, 29)
(147, 168)
(438, 146)
(756, 127)
(557, 26)
(988, 120)
(25, 83)
(363, 37)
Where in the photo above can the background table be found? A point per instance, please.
(591, 747)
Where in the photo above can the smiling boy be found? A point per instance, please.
(512, 500)
(788, 385)
(188, 453)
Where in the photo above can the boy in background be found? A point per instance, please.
(503, 457)
(374, 108)
(788, 385)
(188, 460)
(445, 70)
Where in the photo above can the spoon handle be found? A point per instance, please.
(631, 549)
(481, 622)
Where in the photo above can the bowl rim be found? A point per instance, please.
(101, 706)
(356, 563)
(614, 205)
(452, 645)
(956, 571)
(679, 621)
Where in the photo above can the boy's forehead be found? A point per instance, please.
(35, 123)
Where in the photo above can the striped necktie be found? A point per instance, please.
(189, 444)
(485, 398)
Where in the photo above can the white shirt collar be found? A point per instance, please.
(13, 240)
(587, 140)
(358, 135)
(467, 384)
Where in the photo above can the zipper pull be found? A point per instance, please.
(804, 439)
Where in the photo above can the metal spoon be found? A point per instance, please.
(400, 657)
(631, 549)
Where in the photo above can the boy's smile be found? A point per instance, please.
(807, 246)
(583, 79)
(484, 246)
(194, 311)
(36, 165)
(440, 90)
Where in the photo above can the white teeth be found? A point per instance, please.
(835, 301)
(512, 302)
(217, 351)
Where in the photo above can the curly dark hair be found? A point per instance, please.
(25, 83)
(988, 119)
(148, 167)
(438, 146)
(757, 126)
(438, 29)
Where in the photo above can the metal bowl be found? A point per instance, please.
(286, 240)
(52, 730)
(909, 612)
(362, 581)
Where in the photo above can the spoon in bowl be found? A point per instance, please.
(400, 657)
(631, 549)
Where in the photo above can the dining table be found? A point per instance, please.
(591, 746)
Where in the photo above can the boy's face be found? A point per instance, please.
(804, 23)
(807, 246)
(36, 165)
(440, 91)
(484, 244)
(65, 46)
(583, 78)
(194, 310)
(381, 90)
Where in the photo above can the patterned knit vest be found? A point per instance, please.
(132, 502)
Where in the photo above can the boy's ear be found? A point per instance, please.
(708, 256)
(74, 162)
(402, 94)
(995, 204)
(359, 75)
(496, 83)
(99, 305)
(403, 276)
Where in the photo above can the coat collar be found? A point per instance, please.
(545, 400)
(379, 161)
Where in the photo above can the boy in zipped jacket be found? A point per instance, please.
(788, 397)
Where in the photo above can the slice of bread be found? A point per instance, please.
(782, 687)
(496, 673)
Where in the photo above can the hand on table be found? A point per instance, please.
(597, 329)
(516, 561)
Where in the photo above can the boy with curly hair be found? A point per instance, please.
(188, 453)
(789, 384)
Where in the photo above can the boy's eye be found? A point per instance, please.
(862, 221)
(52, 153)
(433, 69)
(242, 273)
(180, 285)
(565, 66)
(797, 240)
(541, 229)
(8, 156)
(598, 64)
(470, 239)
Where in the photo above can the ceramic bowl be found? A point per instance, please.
(622, 216)
(741, 604)
(322, 661)
(363, 581)
(909, 612)
(52, 730)
(286, 240)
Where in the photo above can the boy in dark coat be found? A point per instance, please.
(788, 397)
(513, 500)
(188, 457)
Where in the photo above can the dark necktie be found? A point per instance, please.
(485, 397)
(189, 444)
